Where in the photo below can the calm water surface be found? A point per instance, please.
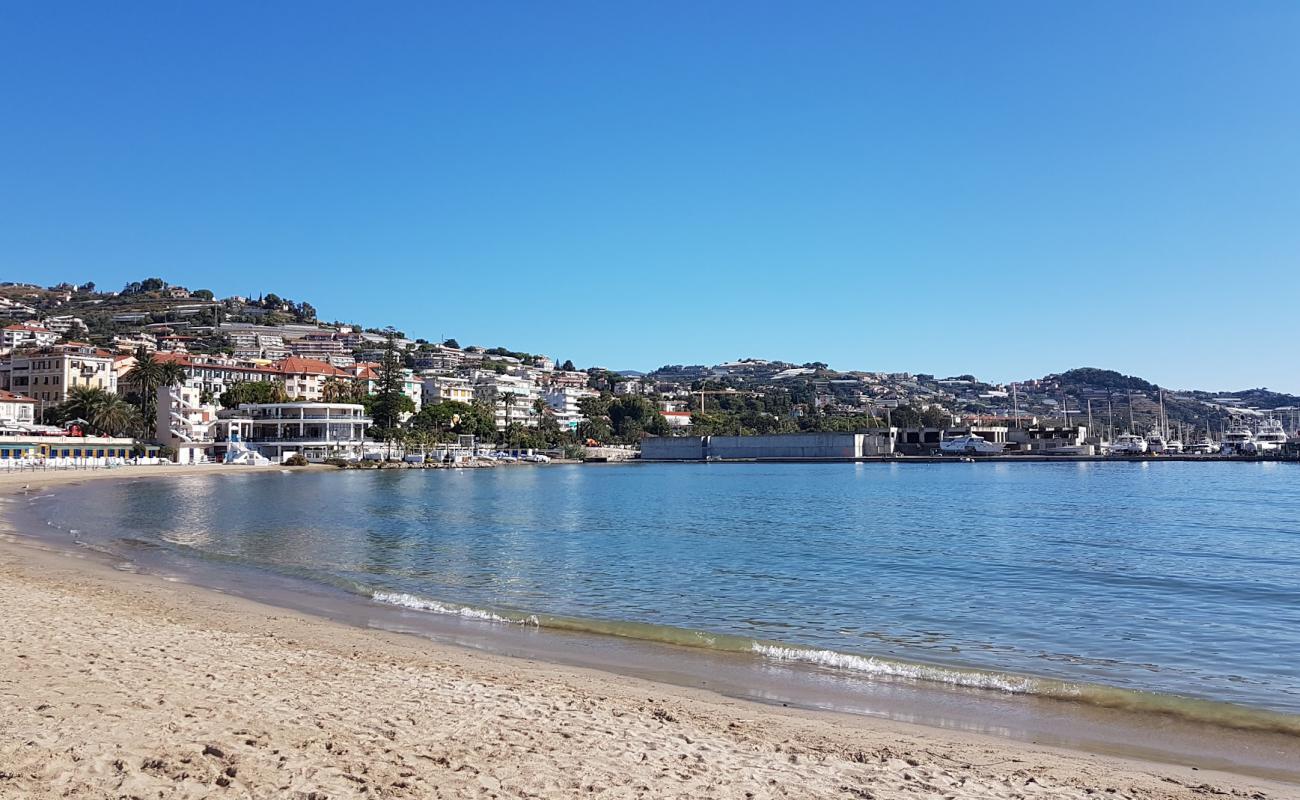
(1172, 578)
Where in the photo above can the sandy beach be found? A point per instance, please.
(114, 684)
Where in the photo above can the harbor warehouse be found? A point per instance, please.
(781, 446)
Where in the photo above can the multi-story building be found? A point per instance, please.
(278, 430)
(564, 405)
(15, 310)
(257, 345)
(212, 375)
(185, 422)
(439, 357)
(66, 325)
(16, 411)
(47, 374)
(565, 380)
(512, 397)
(304, 378)
(323, 346)
(133, 342)
(23, 335)
(442, 388)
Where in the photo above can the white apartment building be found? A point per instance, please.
(23, 335)
(131, 343)
(46, 375)
(16, 411)
(278, 430)
(185, 422)
(256, 345)
(564, 405)
(512, 397)
(66, 325)
(15, 310)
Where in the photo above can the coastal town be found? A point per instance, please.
(157, 373)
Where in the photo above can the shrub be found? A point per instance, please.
(296, 460)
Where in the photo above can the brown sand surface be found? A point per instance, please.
(120, 685)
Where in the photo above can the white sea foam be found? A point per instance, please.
(1014, 684)
(433, 606)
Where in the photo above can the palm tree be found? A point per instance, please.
(115, 416)
(101, 410)
(151, 373)
(83, 403)
(508, 402)
(172, 374)
(147, 373)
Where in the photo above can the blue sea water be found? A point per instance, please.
(1179, 579)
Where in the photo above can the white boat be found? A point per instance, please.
(1174, 447)
(1203, 447)
(1069, 450)
(1155, 442)
(1269, 436)
(970, 444)
(1128, 444)
(1237, 438)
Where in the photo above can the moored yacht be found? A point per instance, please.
(1155, 442)
(1237, 438)
(1269, 436)
(1204, 446)
(1128, 444)
(970, 444)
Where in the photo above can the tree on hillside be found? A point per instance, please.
(567, 366)
(452, 343)
(389, 402)
(631, 417)
(253, 392)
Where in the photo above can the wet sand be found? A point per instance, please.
(114, 684)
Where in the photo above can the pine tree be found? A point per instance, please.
(388, 404)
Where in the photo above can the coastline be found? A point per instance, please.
(99, 655)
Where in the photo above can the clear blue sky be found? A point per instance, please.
(1007, 189)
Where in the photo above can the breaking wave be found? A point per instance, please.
(870, 665)
(465, 612)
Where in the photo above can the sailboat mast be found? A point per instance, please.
(1164, 422)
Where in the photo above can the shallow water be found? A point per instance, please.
(1135, 585)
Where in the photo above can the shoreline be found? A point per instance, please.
(186, 613)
